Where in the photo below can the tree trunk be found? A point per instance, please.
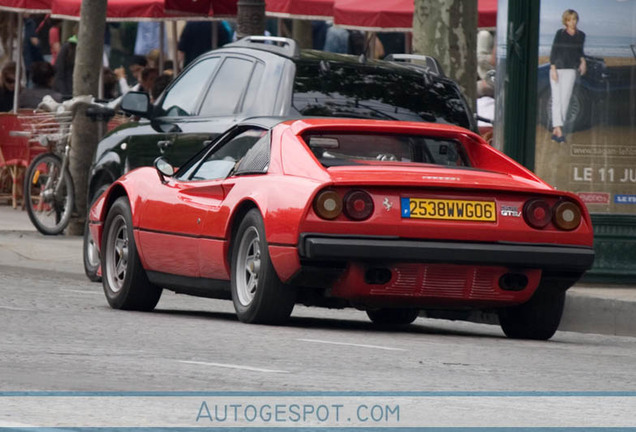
(250, 18)
(447, 30)
(88, 63)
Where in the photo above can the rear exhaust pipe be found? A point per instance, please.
(378, 276)
(513, 282)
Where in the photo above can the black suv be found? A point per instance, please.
(269, 76)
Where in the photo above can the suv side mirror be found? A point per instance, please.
(136, 103)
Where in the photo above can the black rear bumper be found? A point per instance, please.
(560, 258)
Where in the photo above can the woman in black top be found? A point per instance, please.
(566, 58)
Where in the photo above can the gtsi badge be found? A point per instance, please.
(510, 211)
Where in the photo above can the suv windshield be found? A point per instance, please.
(331, 88)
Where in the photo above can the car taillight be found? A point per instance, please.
(358, 205)
(567, 215)
(328, 204)
(537, 213)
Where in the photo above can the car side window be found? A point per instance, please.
(222, 160)
(181, 99)
(226, 91)
(254, 86)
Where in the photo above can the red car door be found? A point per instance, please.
(183, 221)
(208, 197)
(169, 228)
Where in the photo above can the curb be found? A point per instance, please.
(608, 313)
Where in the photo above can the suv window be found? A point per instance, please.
(181, 99)
(255, 85)
(228, 87)
(221, 160)
(330, 88)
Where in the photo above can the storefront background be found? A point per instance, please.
(598, 159)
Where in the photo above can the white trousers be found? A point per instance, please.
(561, 94)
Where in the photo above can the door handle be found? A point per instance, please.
(164, 145)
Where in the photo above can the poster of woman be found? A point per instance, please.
(586, 131)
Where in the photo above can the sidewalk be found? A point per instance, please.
(589, 308)
(21, 245)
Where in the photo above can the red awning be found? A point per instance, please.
(487, 13)
(300, 9)
(394, 15)
(151, 10)
(374, 15)
(196, 7)
(34, 6)
(224, 8)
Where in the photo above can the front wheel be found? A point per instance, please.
(538, 318)
(126, 284)
(48, 194)
(257, 293)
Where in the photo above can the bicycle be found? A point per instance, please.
(49, 195)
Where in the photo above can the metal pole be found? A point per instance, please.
(215, 34)
(100, 82)
(11, 27)
(408, 43)
(18, 63)
(175, 54)
(162, 42)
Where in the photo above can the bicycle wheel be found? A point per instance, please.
(49, 206)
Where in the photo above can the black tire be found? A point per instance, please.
(125, 281)
(89, 249)
(258, 295)
(579, 115)
(393, 317)
(50, 213)
(538, 318)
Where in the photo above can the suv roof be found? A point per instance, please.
(401, 87)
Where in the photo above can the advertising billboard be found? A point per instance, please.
(586, 107)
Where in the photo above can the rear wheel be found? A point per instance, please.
(538, 318)
(257, 293)
(48, 194)
(392, 316)
(89, 249)
(125, 282)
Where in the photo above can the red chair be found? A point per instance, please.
(14, 156)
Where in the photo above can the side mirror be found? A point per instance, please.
(164, 169)
(136, 103)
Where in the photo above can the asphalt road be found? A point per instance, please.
(58, 334)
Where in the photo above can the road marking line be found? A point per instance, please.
(11, 424)
(352, 344)
(11, 308)
(233, 366)
(81, 291)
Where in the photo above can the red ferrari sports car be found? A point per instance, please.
(390, 217)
